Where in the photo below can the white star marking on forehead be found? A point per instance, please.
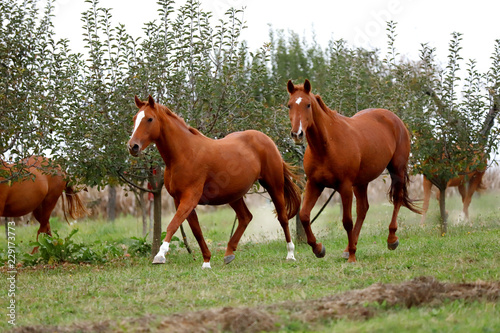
(298, 100)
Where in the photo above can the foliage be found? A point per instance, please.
(139, 246)
(54, 249)
(32, 84)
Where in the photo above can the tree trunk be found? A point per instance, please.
(156, 181)
(111, 209)
(144, 212)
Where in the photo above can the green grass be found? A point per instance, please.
(132, 287)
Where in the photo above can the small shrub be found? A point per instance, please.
(54, 249)
(139, 246)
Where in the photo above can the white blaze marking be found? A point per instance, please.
(300, 127)
(138, 120)
(298, 100)
(290, 247)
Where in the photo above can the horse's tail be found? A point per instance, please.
(75, 207)
(399, 192)
(292, 190)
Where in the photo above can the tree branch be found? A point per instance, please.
(489, 121)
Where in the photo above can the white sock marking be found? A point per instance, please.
(291, 248)
(206, 265)
(163, 249)
(138, 120)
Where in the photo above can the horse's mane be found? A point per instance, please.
(172, 114)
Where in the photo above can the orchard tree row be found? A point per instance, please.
(78, 108)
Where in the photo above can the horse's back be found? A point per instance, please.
(22, 197)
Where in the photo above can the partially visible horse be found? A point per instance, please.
(38, 193)
(467, 185)
(200, 170)
(346, 154)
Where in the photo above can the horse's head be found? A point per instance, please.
(146, 126)
(300, 109)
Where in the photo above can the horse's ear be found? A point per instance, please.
(307, 86)
(138, 102)
(151, 101)
(290, 87)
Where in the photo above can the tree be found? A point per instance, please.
(32, 85)
(455, 134)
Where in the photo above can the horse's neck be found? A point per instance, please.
(175, 140)
(322, 129)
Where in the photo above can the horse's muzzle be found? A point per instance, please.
(297, 137)
(134, 150)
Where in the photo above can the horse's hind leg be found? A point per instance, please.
(42, 215)
(362, 206)
(244, 217)
(278, 199)
(397, 192)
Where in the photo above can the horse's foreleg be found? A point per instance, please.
(464, 193)
(195, 228)
(313, 191)
(184, 208)
(362, 206)
(346, 196)
(244, 217)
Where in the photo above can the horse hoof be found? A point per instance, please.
(321, 253)
(229, 258)
(159, 260)
(345, 255)
(393, 246)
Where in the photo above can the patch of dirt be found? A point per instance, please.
(353, 304)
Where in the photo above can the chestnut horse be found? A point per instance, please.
(200, 170)
(38, 193)
(467, 184)
(346, 154)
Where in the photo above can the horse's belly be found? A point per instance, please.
(215, 195)
(24, 197)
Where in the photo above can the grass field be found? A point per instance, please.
(129, 294)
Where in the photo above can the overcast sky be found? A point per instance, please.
(360, 22)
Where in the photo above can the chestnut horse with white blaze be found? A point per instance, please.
(200, 170)
(346, 154)
(38, 193)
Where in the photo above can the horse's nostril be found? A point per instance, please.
(135, 148)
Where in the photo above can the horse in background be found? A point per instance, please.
(38, 193)
(346, 154)
(200, 170)
(467, 185)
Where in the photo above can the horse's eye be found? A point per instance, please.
(308, 105)
(289, 106)
(150, 120)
